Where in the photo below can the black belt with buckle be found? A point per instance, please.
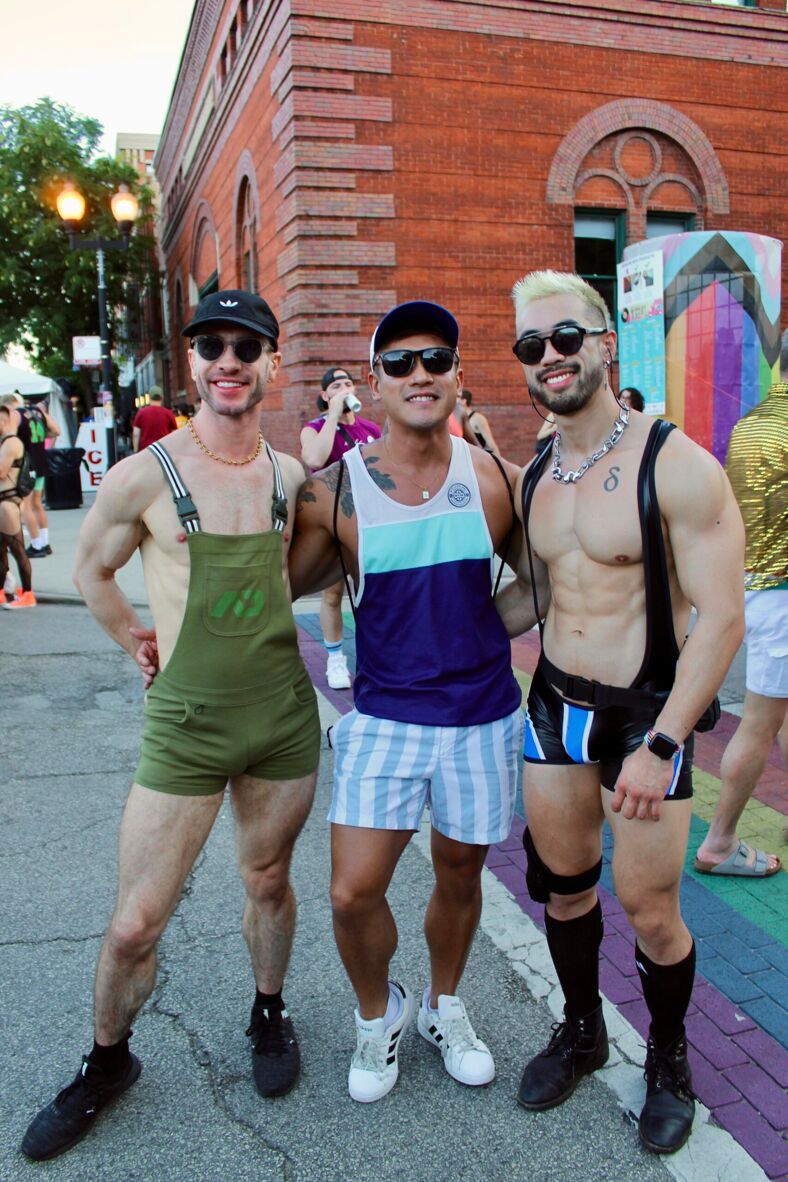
(595, 693)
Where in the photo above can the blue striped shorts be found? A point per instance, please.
(386, 772)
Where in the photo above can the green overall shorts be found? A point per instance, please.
(234, 697)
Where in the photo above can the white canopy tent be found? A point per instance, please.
(34, 386)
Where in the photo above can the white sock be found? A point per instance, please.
(333, 647)
(36, 543)
(43, 537)
(393, 1009)
(426, 1000)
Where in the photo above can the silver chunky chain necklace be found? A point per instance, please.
(619, 427)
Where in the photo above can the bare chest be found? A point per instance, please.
(596, 516)
(234, 502)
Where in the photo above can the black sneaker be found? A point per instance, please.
(72, 1112)
(43, 552)
(575, 1049)
(276, 1060)
(666, 1120)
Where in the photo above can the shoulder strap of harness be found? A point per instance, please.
(184, 505)
(661, 653)
(508, 539)
(530, 481)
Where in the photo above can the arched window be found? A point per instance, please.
(246, 238)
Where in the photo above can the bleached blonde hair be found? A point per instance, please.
(538, 285)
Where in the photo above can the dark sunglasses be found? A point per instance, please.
(246, 349)
(398, 363)
(567, 340)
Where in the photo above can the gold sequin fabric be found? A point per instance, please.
(757, 466)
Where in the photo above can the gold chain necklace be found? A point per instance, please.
(223, 459)
(424, 490)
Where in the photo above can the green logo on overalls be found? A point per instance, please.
(245, 604)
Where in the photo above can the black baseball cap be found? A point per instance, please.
(235, 307)
(414, 316)
(331, 375)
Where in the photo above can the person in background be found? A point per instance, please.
(757, 467)
(479, 424)
(323, 441)
(632, 398)
(35, 427)
(152, 422)
(12, 454)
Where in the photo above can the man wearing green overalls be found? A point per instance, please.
(210, 509)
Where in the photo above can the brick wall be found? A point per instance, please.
(437, 149)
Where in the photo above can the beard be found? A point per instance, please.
(569, 402)
(235, 410)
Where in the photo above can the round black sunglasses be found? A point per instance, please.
(246, 349)
(567, 340)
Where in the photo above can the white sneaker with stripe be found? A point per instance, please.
(466, 1058)
(374, 1068)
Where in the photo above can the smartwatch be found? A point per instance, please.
(661, 745)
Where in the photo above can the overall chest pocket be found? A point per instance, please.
(237, 599)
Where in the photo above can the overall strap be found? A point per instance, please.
(279, 498)
(530, 481)
(659, 661)
(508, 540)
(184, 505)
(335, 514)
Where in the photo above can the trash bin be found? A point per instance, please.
(62, 483)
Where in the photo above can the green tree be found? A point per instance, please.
(48, 293)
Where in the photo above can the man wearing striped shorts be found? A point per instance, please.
(416, 518)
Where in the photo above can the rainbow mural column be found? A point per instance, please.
(722, 327)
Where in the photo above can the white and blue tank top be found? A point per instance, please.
(430, 645)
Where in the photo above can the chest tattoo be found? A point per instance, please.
(612, 482)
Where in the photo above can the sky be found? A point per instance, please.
(119, 70)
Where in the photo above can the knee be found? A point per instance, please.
(332, 596)
(566, 907)
(654, 920)
(460, 875)
(133, 934)
(269, 884)
(351, 899)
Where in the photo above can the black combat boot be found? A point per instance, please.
(666, 1119)
(575, 1049)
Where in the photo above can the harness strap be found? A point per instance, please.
(530, 481)
(184, 505)
(661, 650)
(508, 539)
(595, 693)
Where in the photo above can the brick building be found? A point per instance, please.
(339, 157)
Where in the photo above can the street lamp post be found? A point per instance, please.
(71, 207)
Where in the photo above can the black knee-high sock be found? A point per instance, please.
(574, 947)
(667, 989)
(16, 544)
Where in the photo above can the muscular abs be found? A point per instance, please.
(588, 534)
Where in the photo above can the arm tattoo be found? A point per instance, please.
(612, 482)
(305, 495)
(330, 479)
